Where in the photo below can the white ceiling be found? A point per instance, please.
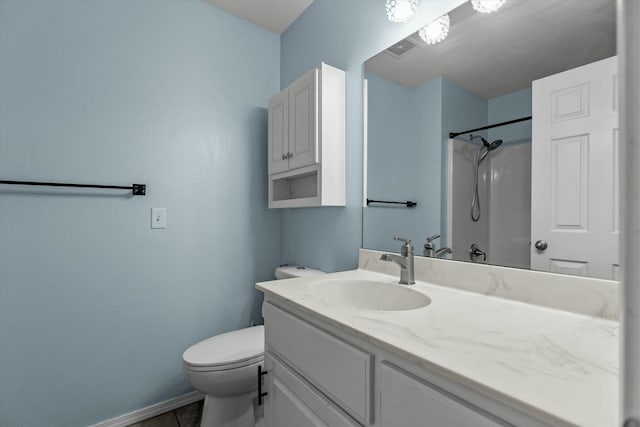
(494, 54)
(274, 15)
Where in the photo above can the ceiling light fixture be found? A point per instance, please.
(435, 31)
(487, 6)
(401, 10)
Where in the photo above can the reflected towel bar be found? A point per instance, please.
(136, 189)
(408, 203)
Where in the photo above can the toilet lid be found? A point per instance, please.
(226, 349)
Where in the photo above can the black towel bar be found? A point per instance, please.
(137, 189)
(408, 203)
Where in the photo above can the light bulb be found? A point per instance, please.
(401, 10)
(435, 31)
(487, 6)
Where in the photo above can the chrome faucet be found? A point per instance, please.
(404, 260)
(430, 248)
(475, 251)
(442, 252)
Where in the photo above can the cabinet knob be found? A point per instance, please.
(284, 157)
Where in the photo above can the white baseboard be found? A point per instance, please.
(151, 411)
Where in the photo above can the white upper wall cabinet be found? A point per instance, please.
(307, 141)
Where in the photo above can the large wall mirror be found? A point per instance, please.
(537, 187)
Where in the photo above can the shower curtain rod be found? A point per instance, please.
(454, 134)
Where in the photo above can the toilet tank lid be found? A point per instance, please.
(289, 271)
(231, 347)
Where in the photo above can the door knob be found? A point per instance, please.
(541, 245)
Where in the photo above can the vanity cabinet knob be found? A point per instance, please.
(541, 245)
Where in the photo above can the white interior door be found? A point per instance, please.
(574, 181)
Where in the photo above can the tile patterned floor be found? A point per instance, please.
(187, 416)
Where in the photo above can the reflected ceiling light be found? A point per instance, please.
(435, 31)
(401, 10)
(487, 6)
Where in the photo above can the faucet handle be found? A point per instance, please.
(402, 239)
(407, 246)
(432, 238)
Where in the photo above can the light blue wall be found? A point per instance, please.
(511, 106)
(342, 33)
(416, 170)
(95, 307)
(427, 105)
(392, 141)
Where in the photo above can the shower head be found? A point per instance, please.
(484, 150)
(495, 144)
(489, 146)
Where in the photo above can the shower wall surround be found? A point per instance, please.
(95, 307)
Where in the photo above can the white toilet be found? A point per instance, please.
(225, 369)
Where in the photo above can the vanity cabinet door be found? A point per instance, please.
(339, 369)
(291, 402)
(412, 402)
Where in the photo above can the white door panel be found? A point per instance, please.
(574, 188)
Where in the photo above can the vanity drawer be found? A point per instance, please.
(340, 370)
(291, 402)
(420, 404)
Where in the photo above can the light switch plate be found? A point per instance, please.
(158, 217)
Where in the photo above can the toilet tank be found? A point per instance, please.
(290, 271)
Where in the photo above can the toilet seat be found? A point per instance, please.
(223, 367)
(231, 350)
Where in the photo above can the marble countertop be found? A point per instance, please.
(559, 367)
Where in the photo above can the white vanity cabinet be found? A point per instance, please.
(318, 375)
(306, 139)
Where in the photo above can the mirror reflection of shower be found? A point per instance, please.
(482, 153)
(491, 171)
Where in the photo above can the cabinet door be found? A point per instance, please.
(278, 133)
(419, 404)
(303, 121)
(341, 370)
(291, 402)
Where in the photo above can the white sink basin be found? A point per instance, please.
(370, 295)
